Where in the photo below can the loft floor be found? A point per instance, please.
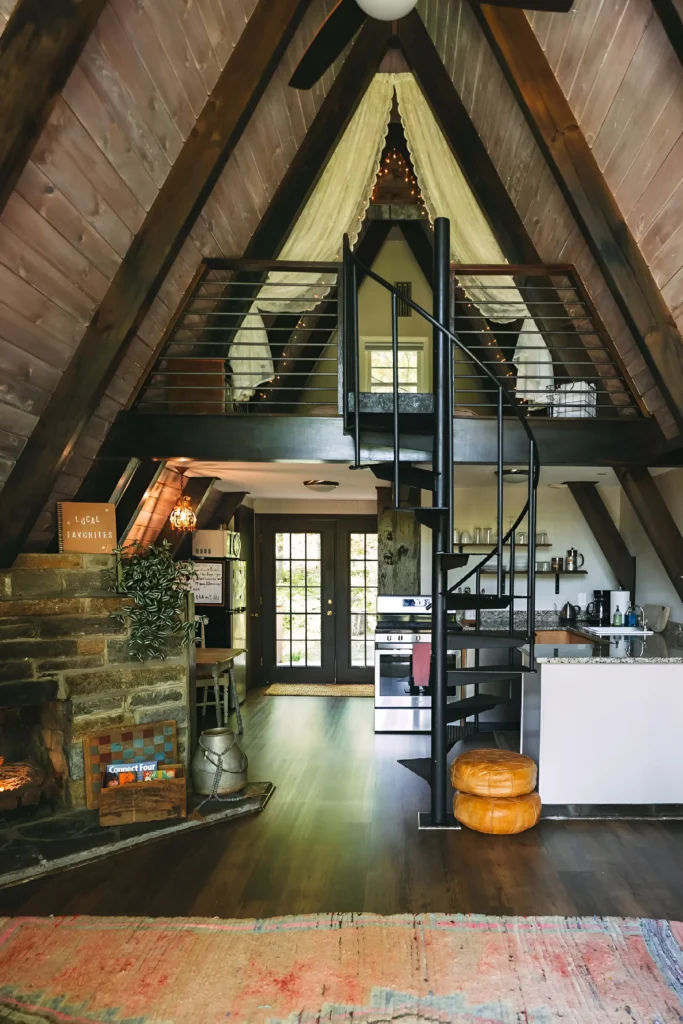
(340, 835)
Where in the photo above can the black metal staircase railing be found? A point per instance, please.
(439, 517)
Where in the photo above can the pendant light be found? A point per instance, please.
(182, 517)
(386, 10)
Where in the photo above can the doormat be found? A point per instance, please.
(340, 967)
(321, 690)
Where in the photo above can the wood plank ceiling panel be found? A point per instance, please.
(624, 83)
(529, 181)
(95, 171)
(224, 228)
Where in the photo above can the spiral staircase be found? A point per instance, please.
(370, 423)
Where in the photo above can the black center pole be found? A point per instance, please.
(443, 469)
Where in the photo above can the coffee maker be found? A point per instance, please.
(598, 611)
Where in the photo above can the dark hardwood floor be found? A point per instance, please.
(340, 835)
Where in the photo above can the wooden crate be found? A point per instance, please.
(157, 741)
(155, 800)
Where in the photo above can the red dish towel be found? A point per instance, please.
(422, 654)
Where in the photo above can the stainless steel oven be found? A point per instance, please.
(400, 705)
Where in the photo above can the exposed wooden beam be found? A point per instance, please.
(107, 480)
(227, 506)
(129, 505)
(583, 185)
(670, 13)
(41, 43)
(144, 268)
(596, 514)
(199, 489)
(249, 438)
(658, 523)
(398, 543)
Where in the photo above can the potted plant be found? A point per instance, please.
(157, 587)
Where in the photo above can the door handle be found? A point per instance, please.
(329, 613)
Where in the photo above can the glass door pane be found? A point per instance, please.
(363, 597)
(298, 623)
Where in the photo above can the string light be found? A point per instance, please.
(396, 167)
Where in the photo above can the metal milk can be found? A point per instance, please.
(219, 765)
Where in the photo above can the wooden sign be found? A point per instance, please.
(86, 527)
(208, 586)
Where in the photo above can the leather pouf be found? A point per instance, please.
(497, 816)
(493, 773)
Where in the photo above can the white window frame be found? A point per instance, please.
(373, 344)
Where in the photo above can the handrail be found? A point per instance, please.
(535, 470)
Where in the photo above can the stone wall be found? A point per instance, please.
(58, 643)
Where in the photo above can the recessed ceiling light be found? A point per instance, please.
(321, 485)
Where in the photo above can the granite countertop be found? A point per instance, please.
(644, 650)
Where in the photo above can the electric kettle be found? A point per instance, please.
(568, 614)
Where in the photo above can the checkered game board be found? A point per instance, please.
(155, 742)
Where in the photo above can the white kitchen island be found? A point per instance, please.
(605, 725)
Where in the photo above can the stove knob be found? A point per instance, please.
(399, 637)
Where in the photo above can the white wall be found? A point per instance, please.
(558, 515)
(313, 507)
(653, 586)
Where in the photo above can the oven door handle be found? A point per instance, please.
(408, 649)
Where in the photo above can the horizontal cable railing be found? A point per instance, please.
(538, 330)
(253, 336)
(261, 336)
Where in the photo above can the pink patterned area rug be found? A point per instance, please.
(340, 967)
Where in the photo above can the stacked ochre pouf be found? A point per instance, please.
(495, 791)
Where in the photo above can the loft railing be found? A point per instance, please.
(230, 351)
(587, 376)
(218, 357)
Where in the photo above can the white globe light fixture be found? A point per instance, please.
(386, 10)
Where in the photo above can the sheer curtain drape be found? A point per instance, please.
(336, 207)
(447, 194)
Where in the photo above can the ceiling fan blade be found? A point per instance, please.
(336, 31)
(556, 6)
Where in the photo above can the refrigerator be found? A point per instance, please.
(227, 625)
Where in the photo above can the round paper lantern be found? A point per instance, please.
(386, 10)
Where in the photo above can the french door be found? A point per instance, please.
(318, 597)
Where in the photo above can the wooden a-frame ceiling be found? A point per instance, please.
(144, 87)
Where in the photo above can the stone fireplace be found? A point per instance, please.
(34, 752)
(65, 673)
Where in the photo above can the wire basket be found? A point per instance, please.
(576, 400)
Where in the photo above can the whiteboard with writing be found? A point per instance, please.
(208, 586)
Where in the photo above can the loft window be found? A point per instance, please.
(382, 369)
(405, 289)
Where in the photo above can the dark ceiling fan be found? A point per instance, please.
(341, 25)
